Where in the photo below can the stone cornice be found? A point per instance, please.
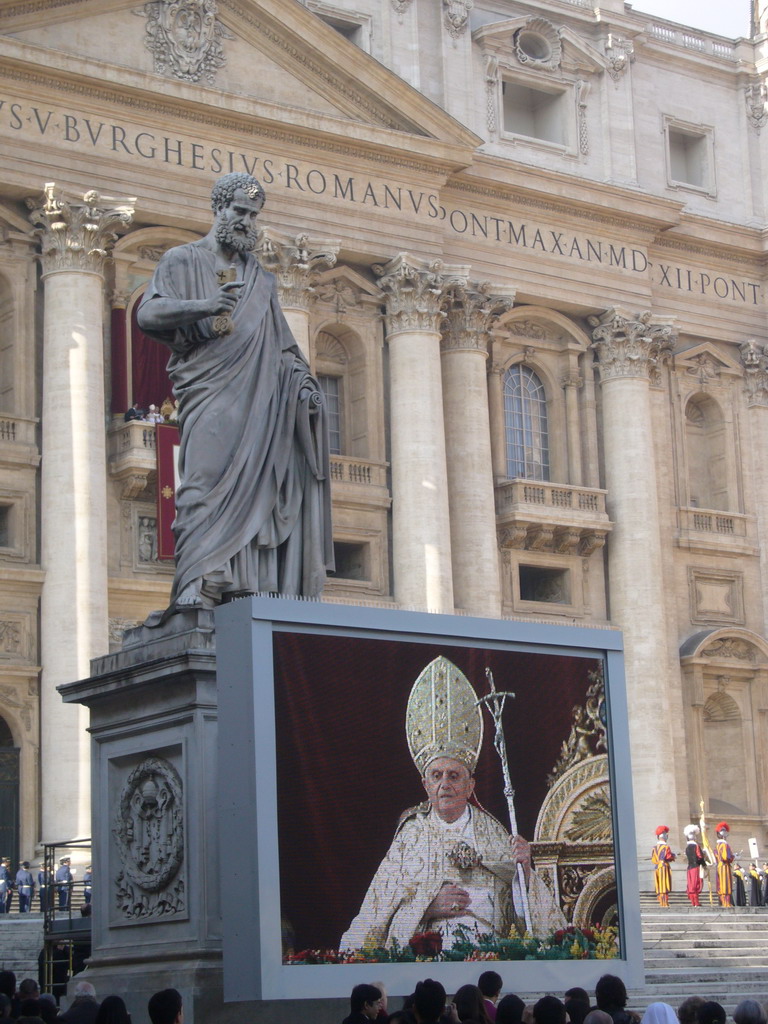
(77, 232)
(128, 94)
(630, 346)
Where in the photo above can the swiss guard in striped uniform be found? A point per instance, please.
(724, 859)
(662, 857)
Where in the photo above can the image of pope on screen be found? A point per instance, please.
(452, 868)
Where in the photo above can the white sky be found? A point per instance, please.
(725, 17)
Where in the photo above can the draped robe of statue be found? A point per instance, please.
(426, 853)
(253, 502)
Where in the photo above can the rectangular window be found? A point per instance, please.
(534, 113)
(690, 156)
(551, 586)
(331, 388)
(5, 526)
(352, 561)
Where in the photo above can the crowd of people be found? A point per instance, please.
(734, 885)
(486, 1003)
(168, 412)
(44, 884)
(28, 1005)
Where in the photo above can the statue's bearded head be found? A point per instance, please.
(237, 199)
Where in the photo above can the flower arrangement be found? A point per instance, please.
(571, 943)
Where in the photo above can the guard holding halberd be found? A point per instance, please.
(452, 867)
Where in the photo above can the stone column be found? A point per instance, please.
(421, 541)
(75, 234)
(469, 315)
(572, 382)
(295, 262)
(754, 358)
(629, 350)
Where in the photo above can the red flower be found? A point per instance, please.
(427, 944)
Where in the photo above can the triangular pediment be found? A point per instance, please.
(539, 45)
(276, 59)
(706, 363)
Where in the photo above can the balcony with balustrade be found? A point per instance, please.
(537, 515)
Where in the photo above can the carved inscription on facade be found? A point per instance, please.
(149, 831)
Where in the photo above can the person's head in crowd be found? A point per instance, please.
(509, 1009)
(8, 983)
(428, 1001)
(5, 1006)
(598, 1017)
(29, 989)
(383, 1000)
(688, 1010)
(29, 1010)
(528, 1014)
(749, 1011)
(65, 860)
(401, 1017)
(659, 1013)
(469, 1004)
(610, 993)
(365, 999)
(112, 1011)
(710, 1013)
(165, 1007)
(49, 1011)
(577, 1009)
(577, 993)
(84, 991)
(549, 1010)
(490, 984)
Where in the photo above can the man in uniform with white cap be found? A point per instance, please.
(451, 868)
(696, 861)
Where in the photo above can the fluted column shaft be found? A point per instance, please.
(421, 539)
(474, 547)
(628, 352)
(295, 262)
(75, 233)
(754, 358)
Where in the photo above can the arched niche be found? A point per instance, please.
(705, 438)
(725, 678)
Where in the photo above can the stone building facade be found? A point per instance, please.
(523, 245)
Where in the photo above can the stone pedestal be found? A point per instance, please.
(157, 871)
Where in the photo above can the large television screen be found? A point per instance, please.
(419, 793)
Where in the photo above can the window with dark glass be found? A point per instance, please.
(331, 388)
(525, 418)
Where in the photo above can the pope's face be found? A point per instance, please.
(449, 786)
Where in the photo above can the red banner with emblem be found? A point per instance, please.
(167, 446)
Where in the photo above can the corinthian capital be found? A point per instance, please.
(414, 292)
(295, 262)
(77, 232)
(469, 313)
(754, 358)
(631, 346)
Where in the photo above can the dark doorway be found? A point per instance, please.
(9, 794)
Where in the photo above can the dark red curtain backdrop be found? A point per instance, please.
(151, 383)
(344, 773)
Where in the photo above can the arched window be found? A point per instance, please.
(525, 420)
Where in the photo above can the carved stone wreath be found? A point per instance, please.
(538, 45)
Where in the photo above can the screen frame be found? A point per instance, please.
(248, 810)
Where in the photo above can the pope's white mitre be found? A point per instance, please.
(443, 719)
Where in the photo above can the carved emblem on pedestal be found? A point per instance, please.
(184, 36)
(149, 831)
